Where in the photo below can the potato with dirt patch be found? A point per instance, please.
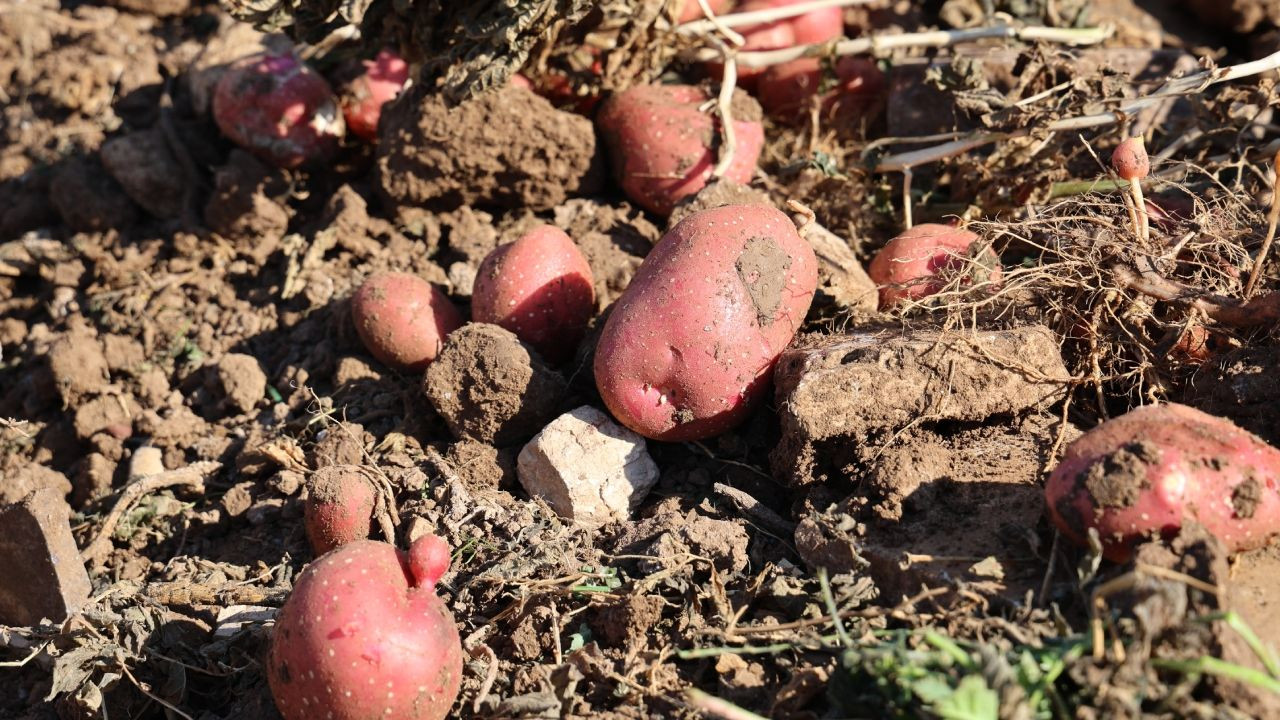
(690, 346)
(917, 263)
(279, 109)
(377, 83)
(538, 287)
(1145, 473)
(403, 319)
(663, 148)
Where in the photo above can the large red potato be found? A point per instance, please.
(910, 265)
(661, 146)
(540, 288)
(1145, 473)
(403, 319)
(279, 109)
(690, 346)
(363, 636)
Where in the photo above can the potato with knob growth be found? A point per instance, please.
(363, 636)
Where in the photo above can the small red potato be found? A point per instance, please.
(363, 636)
(382, 79)
(816, 26)
(690, 346)
(540, 288)
(339, 507)
(403, 319)
(785, 89)
(909, 266)
(661, 146)
(279, 109)
(1145, 473)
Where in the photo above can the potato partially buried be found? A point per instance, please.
(690, 346)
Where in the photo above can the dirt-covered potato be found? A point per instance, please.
(690, 346)
(1146, 472)
(540, 288)
(910, 266)
(403, 319)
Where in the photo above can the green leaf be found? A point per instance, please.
(972, 700)
(932, 689)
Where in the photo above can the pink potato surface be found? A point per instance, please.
(661, 146)
(383, 78)
(909, 266)
(1146, 472)
(540, 288)
(690, 346)
(339, 507)
(403, 319)
(279, 109)
(785, 89)
(363, 636)
(815, 26)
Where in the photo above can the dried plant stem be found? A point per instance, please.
(724, 104)
(1272, 218)
(883, 43)
(1188, 85)
(713, 22)
(718, 707)
(192, 475)
(698, 27)
(1265, 309)
(906, 197)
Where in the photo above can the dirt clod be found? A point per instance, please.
(489, 386)
(509, 148)
(37, 547)
(145, 167)
(1117, 481)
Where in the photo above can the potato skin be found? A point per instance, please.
(903, 266)
(382, 79)
(660, 146)
(690, 346)
(1144, 473)
(785, 89)
(279, 109)
(403, 319)
(540, 288)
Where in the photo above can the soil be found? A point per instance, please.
(178, 362)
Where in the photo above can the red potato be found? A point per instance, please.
(785, 89)
(1145, 473)
(383, 78)
(690, 346)
(339, 507)
(768, 36)
(279, 109)
(363, 636)
(540, 288)
(403, 319)
(909, 266)
(660, 145)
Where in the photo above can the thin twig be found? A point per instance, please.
(880, 44)
(756, 17)
(490, 676)
(192, 476)
(1272, 218)
(718, 707)
(724, 105)
(755, 510)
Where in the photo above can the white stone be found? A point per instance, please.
(589, 469)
